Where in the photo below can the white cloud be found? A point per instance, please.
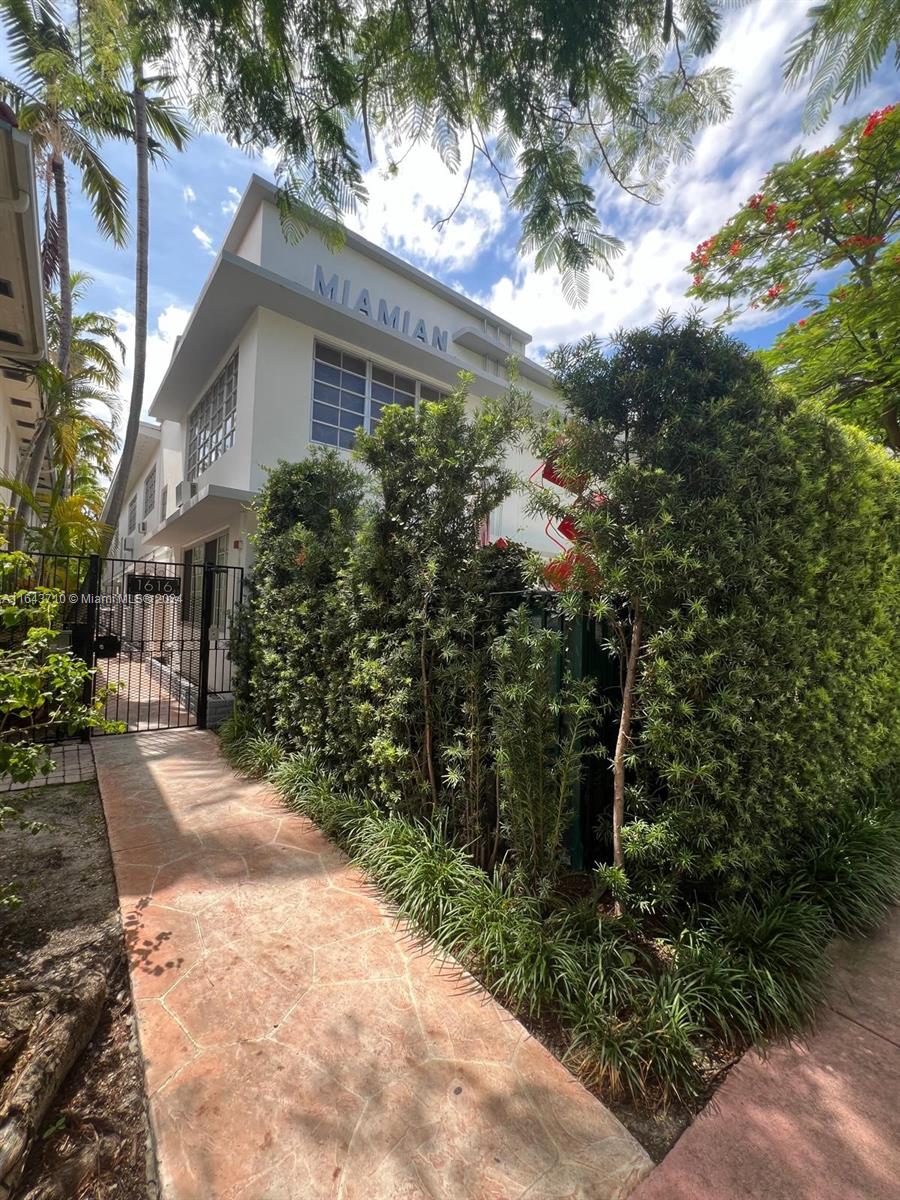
(229, 206)
(404, 210)
(189, 195)
(161, 342)
(203, 238)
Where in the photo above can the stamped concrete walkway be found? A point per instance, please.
(819, 1121)
(297, 1045)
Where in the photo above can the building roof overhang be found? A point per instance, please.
(236, 288)
(261, 190)
(214, 506)
(22, 330)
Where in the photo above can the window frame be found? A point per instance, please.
(368, 417)
(132, 513)
(208, 442)
(149, 493)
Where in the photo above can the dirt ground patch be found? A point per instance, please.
(66, 926)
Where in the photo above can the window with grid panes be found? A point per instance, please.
(349, 392)
(339, 396)
(211, 424)
(390, 388)
(150, 492)
(132, 513)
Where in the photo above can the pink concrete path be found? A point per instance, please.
(819, 1121)
(297, 1045)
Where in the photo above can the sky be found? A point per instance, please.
(194, 196)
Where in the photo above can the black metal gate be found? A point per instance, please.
(156, 633)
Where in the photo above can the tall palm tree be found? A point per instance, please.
(56, 101)
(131, 36)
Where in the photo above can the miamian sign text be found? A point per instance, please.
(400, 321)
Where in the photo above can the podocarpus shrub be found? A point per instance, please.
(747, 551)
(368, 632)
(540, 733)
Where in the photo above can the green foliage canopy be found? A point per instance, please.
(836, 209)
(545, 93)
(761, 540)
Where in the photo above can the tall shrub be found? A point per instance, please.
(539, 729)
(369, 629)
(746, 551)
(306, 513)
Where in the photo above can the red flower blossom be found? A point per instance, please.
(860, 242)
(775, 291)
(770, 212)
(734, 249)
(791, 226)
(755, 200)
(698, 279)
(802, 321)
(876, 118)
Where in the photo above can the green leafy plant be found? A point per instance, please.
(540, 736)
(741, 546)
(834, 213)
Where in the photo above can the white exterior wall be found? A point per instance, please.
(392, 316)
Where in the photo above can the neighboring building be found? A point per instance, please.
(22, 332)
(292, 345)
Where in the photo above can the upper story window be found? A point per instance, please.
(150, 492)
(132, 513)
(163, 501)
(349, 392)
(211, 424)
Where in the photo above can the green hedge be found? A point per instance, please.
(759, 541)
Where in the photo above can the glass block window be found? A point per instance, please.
(339, 396)
(163, 501)
(150, 492)
(349, 392)
(132, 513)
(211, 424)
(389, 388)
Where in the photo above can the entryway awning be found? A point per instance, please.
(214, 506)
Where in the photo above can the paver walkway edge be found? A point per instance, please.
(818, 1120)
(297, 1044)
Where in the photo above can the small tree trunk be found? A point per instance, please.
(623, 740)
(54, 1047)
(891, 427)
(141, 267)
(65, 280)
(41, 439)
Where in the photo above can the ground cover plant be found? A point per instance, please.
(741, 552)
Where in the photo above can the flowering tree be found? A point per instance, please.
(829, 210)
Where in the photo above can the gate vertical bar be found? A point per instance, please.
(91, 599)
(206, 607)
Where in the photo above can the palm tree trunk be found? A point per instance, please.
(41, 439)
(65, 278)
(142, 251)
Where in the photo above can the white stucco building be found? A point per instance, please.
(293, 345)
(22, 332)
